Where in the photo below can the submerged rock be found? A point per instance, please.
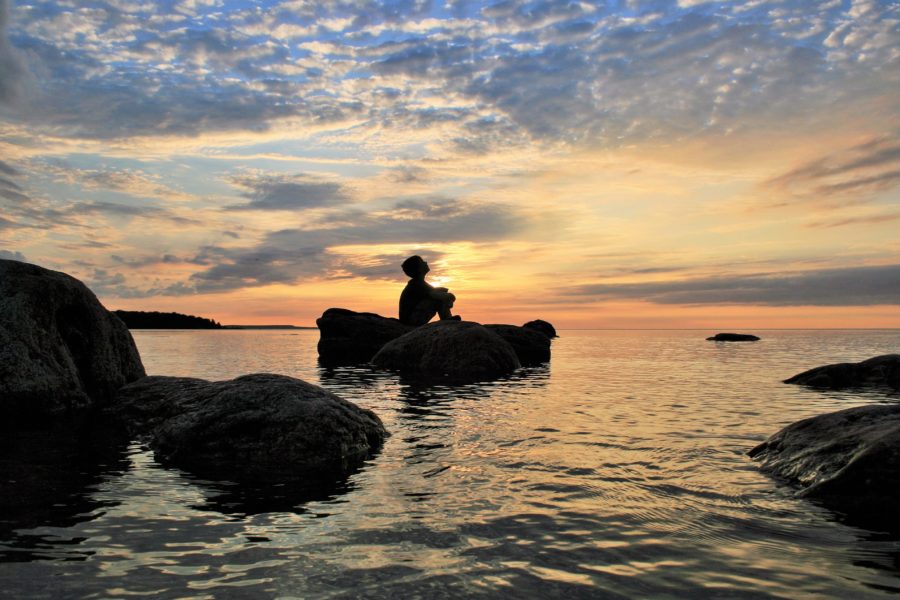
(60, 349)
(849, 459)
(542, 326)
(348, 337)
(530, 345)
(459, 349)
(878, 371)
(252, 427)
(733, 337)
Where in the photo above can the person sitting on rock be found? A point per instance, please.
(420, 300)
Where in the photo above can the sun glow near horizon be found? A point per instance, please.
(713, 165)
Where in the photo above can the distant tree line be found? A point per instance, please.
(137, 319)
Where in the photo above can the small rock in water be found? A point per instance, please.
(733, 337)
(459, 349)
(878, 371)
(849, 459)
(60, 349)
(530, 345)
(348, 337)
(254, 427)
(542, 326)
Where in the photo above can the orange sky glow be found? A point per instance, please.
(682, 165)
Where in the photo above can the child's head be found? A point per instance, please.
(414, 266)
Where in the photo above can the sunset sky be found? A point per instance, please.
(595, 164)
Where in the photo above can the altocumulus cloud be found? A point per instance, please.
(856, 286)
(508, 72)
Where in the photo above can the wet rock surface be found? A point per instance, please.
(850, 459)
(60, 349)
(733, 337)
(877, 371)
(531, 346)
(252, 427)
(348, 337)
(458, 349)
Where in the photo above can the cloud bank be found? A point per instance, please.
(857, 286)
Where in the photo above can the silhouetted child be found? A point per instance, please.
(420, 301)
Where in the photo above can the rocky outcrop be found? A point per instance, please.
(347, 337)
(733, 337)
(530, 345)
(542, 326)
(850, 459)
(253, 427)
(458, 349)
(60, 349)
(878, 371)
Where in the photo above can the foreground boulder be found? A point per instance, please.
(348, 337)
(878, 371)
(458, 349)
(530, 345)
(850, 459)
(251, 427)
(59, 348)
(542, 326)
(733, 337)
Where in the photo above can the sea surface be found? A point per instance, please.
(618, 470)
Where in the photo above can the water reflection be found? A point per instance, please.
(245, 498)
(47, 477)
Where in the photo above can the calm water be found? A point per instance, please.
(618, 470)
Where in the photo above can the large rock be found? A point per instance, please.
(850, 459)
(252, 427)
(542, 326)
(458, 349)
(530, 345)
(733, 337)
(878, 371)
(348, 337)
(59, 348)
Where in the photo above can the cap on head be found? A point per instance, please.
(411, 265)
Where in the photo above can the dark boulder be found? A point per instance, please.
(542, 326)
(253, 427)
(457, 349)
(347, 337)
(878, 371)
(849, 459)
(733, 337)
(530, 345)
(60, 349)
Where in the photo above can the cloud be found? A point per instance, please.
(377, 267)
(876, 219)
(41, 214)
(855, 286)
(856, 172)
(129, 181)
(113, 209)
(9, 189)
(569, 72)
(11, 67)
(291, 255)
(11, 255)
(6, 169)
(281, 192)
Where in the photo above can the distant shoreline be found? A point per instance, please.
(267, 327)
(223, 327)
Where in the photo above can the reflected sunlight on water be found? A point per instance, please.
(617, 470)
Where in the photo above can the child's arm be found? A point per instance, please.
(441, 294)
